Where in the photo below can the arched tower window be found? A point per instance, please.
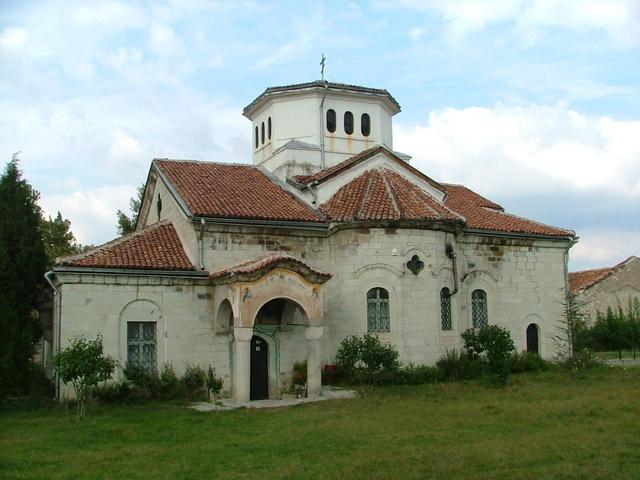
(257, 138)
(445, 308)
(532, 338)
(269, 128)
(479, 313)
(365, 124)
(262, 133)
(378, 310)
(331, 120)
(348, 123)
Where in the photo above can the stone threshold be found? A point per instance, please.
(328, 393)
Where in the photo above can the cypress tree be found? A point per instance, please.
(22, 266)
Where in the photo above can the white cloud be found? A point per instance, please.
(600, 248)
(416, 33)
(522, 149)
(13, 38)
(165, 42)
(620, 19)
(92, 212)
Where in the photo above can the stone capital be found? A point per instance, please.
(243, 334)
(314, 333)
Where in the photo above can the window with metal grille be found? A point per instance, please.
(445, 308)
(479, 313)
(348, 123)
(141, 345)
(377, 310)
(331, 120)
(365, 124)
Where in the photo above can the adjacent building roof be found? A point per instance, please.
(382, 194)
(156, 247)
(224, 190)
(483, 214)
(321, 84)
(256, 268)
(587, 278)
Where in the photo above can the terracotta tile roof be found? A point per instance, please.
(359, 158)
(226, 190)
(156, 247)
(257, 267)
(382, 194)
(587, 278)
(483, 214)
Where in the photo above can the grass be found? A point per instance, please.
(626, 355)
(543, 426)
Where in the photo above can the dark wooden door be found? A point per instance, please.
(532, 338)
(259, 369)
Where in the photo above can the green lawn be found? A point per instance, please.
(542, 426)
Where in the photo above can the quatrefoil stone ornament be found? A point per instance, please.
(415, 265)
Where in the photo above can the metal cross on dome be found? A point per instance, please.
(322, 62)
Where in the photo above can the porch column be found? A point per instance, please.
(314, 375)
(242, 364)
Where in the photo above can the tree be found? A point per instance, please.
(58, 239)
(496, 343)
(23, 263)
(84, 365)
(572, 336)
(633, 321)
(127, 224)
(611, 332)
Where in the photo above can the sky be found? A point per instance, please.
(532, 103)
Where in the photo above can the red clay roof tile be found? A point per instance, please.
(226, 190)
(156, 247)
(382, 194)
(586, 278)
(483, 214)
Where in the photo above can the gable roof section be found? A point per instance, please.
(587, 278)
(357, 159)
(224, 190)
(382, 194)
(483, 214)
(258, 267)
(156, 247)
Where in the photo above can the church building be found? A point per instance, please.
(329, 232)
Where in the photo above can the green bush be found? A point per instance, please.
(495, 344)
(456, 365)
(115, 392)
(416, 375)
(145, 385)
(526, 362)
(214, 383)
(194, 382)
(299, 373)
(365, 360)
(169, 385)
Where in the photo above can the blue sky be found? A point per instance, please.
(533, 103)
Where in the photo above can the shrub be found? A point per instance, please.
(194, 382)
(114, 392)
(145, 385)
(496, 344)
(169, 386)
(456, 365)
(40, 386)
(365, 360)
(416, 375)
(214, 384)
(299, 374)
(526, 362)
(84, 366)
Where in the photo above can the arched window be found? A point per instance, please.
(445, 308)
(269, 128)
(141, 345)
(331, 121)
(262, 133)
(257, 138)
(377, 310)
(532, 338)
(365, 124)
(479, 313)
(348, 123)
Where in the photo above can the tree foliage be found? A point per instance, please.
(83, 365)
(23, 263)
(572, 334)
(618, 329)
(58, 239)
(365, 360)
(494, 343)
(127, 223)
